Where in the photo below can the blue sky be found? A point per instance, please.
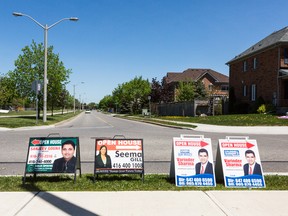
(116, 40)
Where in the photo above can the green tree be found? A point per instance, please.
(132, 95)
(200, 91)
(106, 103)
(30, 67)
(185, 91)
(6, 92)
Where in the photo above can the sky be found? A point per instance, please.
(115, 41)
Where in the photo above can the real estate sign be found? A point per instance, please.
(240, 162)
(119, 156)
(193, 161)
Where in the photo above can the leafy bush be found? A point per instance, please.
(266, 108)
(261, 109)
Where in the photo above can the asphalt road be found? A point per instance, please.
(157, 142)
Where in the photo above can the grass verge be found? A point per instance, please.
(26, 120)
(152, 182)
(233, 120)
(224, 120)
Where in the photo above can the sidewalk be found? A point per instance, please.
(138, 203)
(242, 129)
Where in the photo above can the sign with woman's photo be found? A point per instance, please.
(193, 161)
(119, 156)
(53, 155)
(239, 161)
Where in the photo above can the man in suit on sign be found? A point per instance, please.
(204, 166)
(252, 167)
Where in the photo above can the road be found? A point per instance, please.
(157, 142)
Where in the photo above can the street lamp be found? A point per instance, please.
(74, 95)
(46, 28)
(149, 98)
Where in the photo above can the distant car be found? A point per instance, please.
(87, 111)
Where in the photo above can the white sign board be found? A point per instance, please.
(193, 161)
(241, 162)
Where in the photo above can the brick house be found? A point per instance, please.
(261, 71)
(215, 83)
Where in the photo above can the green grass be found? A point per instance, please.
(28, 118)
(233, 120)
(16, 113)
(152, 182)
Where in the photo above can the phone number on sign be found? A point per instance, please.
(39, 161)
(127, 165)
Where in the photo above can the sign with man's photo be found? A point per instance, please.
(193, 161)
(239, 161)
(53, 155)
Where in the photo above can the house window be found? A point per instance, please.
(245, 66)
(210, 87)
(254, 63)
(253, 92)
(224, 87)
(244, 90)
(285, 56)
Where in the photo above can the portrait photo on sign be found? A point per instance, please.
(103, 160)
(251, 167)
(66, 163)
(204, 166)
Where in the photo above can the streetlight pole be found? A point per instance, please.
(149, 98)
(46, 28)
(74, 96)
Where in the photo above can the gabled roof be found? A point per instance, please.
(195, 75)
(280, 36)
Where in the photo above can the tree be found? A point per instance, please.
(106, 103)
(30, 66)
(188, 91)
(132, 95)
(6, 92)
(156, 91)
(200, 91)
(167, 91)
(185, 91)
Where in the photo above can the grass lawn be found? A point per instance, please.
(28, 118)
(233, 120)
(151, 182)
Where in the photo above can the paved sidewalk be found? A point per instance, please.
(242, 129)
(138, 203)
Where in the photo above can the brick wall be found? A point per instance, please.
(264, 76)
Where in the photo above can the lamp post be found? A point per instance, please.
(74, 95)
(149, 98)
(46, 28)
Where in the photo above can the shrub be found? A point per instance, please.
(266, 108)
(261, 109)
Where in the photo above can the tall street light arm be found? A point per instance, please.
(46, 28)
(21, 14)
(17, 14)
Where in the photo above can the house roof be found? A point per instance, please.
(280, 36)
(195, 74)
